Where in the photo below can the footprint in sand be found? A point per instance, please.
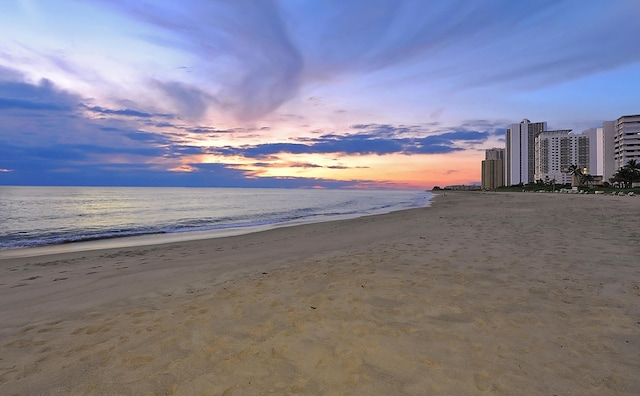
(483, 381)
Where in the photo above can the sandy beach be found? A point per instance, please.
(482, 293)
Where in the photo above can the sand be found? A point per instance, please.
(482, 293)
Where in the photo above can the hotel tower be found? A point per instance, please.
(626, 140)
(520, 161)
(493, 169)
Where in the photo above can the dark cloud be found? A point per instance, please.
(122, 112)
(199, 129)
(385, 130)
(178, 151)
(444, 143)
(44, 96)
(371, 139)
(7, 74)
(12, 104)
(305, 165)
(44, 128)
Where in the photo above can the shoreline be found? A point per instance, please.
(496, 293)
(259, 243)
(160, 238)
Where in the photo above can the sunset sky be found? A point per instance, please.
(299, 93)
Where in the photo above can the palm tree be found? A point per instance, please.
(628, 174)
(588, 179)
(634, 171)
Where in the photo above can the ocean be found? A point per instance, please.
(45, 216)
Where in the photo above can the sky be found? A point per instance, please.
(403, 94)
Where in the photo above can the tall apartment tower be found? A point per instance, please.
(602, 149)
(596, 150)
(494, 154)
(493, 169)
(556, 151)
(626, 140)
(520, 151)
(609, 148)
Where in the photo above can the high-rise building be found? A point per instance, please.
(596, 150)
(609, 150)
(602, 150)
(493, 169)
(494, 154)
(626, 140)
(520, 151)
(556, 151)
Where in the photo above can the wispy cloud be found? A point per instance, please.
(251, 56)
(471, 43)
(247, 59)
(191, 102)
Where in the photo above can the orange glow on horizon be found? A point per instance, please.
(396, 170)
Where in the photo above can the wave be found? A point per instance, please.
(175, 219)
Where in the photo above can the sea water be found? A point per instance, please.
(42, 216)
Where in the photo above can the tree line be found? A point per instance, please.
(627, 175)
(624, 177)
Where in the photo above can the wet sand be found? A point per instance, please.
(483, 293)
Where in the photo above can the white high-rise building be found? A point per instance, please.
(556, 151)
(602, 150)
(608, 135)
(626, 140)
(596, 150)
(520, 148)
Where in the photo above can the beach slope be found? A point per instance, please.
(482, 293)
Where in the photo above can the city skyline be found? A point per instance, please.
(534, 154)
(375, 94)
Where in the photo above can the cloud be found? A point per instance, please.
(192, 102)
(43, 127)
(246, 55)
(305, 165)
(203, 175)
(109, 151)
(249, 57)
(469, 44)
(370, 139)
(7, 104)
(122, 112)
(43, 96)
(8, 74)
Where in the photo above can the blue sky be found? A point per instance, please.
(298, 93)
